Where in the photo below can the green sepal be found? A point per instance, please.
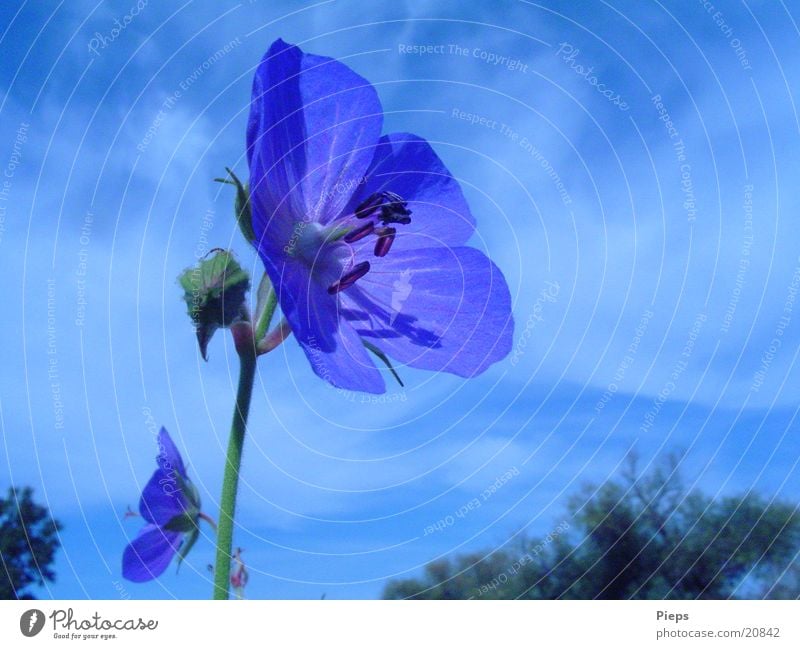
(214, 292)
(241, 206)
(379, 353)
(185, 522)
(189, 491)
(187, 546)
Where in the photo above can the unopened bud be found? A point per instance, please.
(214, 292)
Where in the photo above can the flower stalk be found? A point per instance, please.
(246, 349)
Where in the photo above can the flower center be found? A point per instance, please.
(379, 213)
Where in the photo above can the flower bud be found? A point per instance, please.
(214, 292)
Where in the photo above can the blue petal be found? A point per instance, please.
(162, 498)
(407, 165)
(333, 348)
(442, 309)
(168, 457)
(310, 138)
(149, 554)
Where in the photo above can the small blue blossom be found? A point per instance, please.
(170, 505)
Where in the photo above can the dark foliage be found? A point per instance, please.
(28, 543)
(636, 537)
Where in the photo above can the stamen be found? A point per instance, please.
(348, 279)
(360, 232)
(395, 210)
(389, 208)
(392, 207)
(390, 216)
(384, 242)
(369, 206)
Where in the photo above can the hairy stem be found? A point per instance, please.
(267, 310)
(230, 482)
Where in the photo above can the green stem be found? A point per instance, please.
(270, 304)
(230, 481)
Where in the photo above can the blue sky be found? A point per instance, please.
(664, 263)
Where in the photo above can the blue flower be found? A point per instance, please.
(170, 505)
(364, 236)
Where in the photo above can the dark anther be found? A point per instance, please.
(369, 206)
(393, 209)
(348, 279)
(384, 242)
(359, 233)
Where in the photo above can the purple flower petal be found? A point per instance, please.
(435, 308)
(149, 554)
(347, 365)
(332, 346)
(364, 237)
(162, 498)
(168, 457)
(407, 165)
(310, 137)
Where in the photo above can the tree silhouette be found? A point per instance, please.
(635, 537)
(28, 543)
